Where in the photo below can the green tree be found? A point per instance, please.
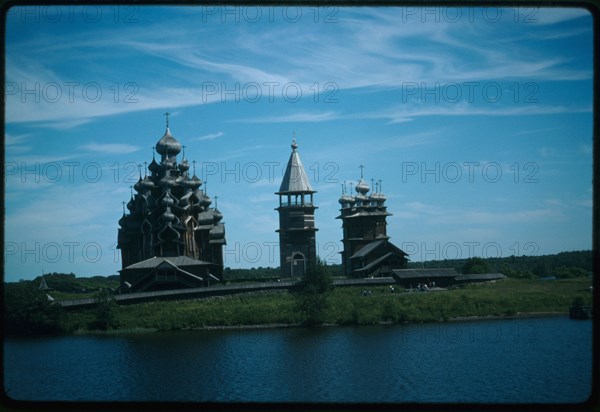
(569, 272)
(28, 311)
(312, 298)
(105, 312)
(475, 265)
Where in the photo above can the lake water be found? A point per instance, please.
(544, 360)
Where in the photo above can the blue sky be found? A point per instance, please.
(477, 121)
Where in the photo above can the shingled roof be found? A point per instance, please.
(179, 261)
(295, 179)
(424, 273)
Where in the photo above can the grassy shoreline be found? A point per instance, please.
(507, 299)
(138, 331)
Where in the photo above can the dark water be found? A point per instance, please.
(530, 361)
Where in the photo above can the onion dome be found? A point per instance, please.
(188, 184)
(198, 195)
(131, 205)
(362, 186)
(153, 166)
(146, 183)
(168, 216)
(197, 182)
(167, 201)
(361, 199)
(137, 186)
(168, 144)
(379, 198)
(374, 198)
(123, 220)
(167, 163)
(184, 166)
(217, 215)
(206, 200)
(167, 181)
(346, 199)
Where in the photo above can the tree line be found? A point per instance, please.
(562, 265)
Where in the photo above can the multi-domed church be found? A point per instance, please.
(171, 238)
(367, 247)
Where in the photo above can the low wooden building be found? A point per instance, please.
(480, 277)
(410, 278)
(166, 273)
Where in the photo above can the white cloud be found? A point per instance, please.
(294, 117)
(210, 136)
(447, 215)
(110, 148)
(547, 152)
(554, 15)
(403, 113)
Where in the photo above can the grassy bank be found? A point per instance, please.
(345, 306)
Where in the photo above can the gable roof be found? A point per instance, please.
(424, 273)
(481, 276)
(374, 263)
(375, 244)
(178, 261)
(368, 248)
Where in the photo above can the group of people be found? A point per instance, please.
(424, 287)
(421, 287)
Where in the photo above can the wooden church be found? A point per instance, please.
(171, 237)
(367, 248)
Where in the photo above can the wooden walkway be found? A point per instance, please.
(217, 290)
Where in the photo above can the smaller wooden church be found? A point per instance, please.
(368, 250)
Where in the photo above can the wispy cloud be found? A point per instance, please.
(210, 136)
(552, 15)
(434, 214)
(110, 148)
(12, 140)
(547, 151)
(534, 131)
(403, 113)
(294, 117)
